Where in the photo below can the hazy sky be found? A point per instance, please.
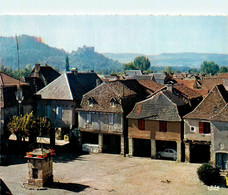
(135, 34)
(196, 7)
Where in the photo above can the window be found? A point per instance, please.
(89, 118)
(204, 127)
(47, 111)
(90, 101)
(111, 119)
(163, 126)
(192, 128)
(58, 112)
(141, 124)
(113, 102)
(35, 173)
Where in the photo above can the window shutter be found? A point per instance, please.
(111, 118)
(163, 126)
(89, 118)
(201, 127)
(141, 124)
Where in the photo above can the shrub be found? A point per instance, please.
(208, 174)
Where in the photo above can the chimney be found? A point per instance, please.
(91, 70)
(37, 70)
(169, 87)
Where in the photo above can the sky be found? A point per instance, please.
(121, 26)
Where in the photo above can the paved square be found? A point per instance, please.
(112, 174)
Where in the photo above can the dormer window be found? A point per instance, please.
(113, 102)
(91, 101)
(215, 109)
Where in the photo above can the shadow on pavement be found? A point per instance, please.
(73, 187)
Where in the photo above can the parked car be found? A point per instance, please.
(167, 153)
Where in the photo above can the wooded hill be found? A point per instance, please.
(173, 59)
(33, 50)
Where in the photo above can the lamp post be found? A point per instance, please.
(19, 94)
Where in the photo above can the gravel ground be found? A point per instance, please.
(111, 174)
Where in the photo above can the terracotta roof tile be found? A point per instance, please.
(187, 82)
(212, 103)
(222, 115)
(6, 80)
(188, 92)
(161, 106)
(117, 90)
(209, 83)
(152, 85)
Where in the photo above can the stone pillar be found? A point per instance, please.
(153, 148)
(212, 154)
(187, 152)
(130, 146)
(100, 142)
(178, 151)
(79, 137)
(122, 145)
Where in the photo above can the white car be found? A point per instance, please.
(167, 153)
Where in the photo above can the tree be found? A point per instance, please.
(142, 63)
(208, 174)
(168, 69)
(28, 126)
(129, 66)
(223, 69)
(67, 64)
(209, 67)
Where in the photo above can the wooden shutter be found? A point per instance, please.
(201, 127)
(163, 126)
(141, 124)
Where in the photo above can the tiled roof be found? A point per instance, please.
(187, 82)
(46, 73)
(222, 75)
(212, 103)
(186, 91)
(152, 85)
(208, 83)
(117, 90)
(222, 116)
(161, 106)
(6, 80)
(70, 86)
(141, 77)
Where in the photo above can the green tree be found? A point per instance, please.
(168, 69)
(223, 69)
(208, 174)
(129, 66)
(142, 63)
(67, 64)
(194, 71)
(28, 126)
(209, 67)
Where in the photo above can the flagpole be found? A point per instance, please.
(19, 85)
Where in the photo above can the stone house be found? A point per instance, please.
(197, 127)
(102, 116)
(219, 126)
(8, 102)
(58, 100)
(155, 124)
